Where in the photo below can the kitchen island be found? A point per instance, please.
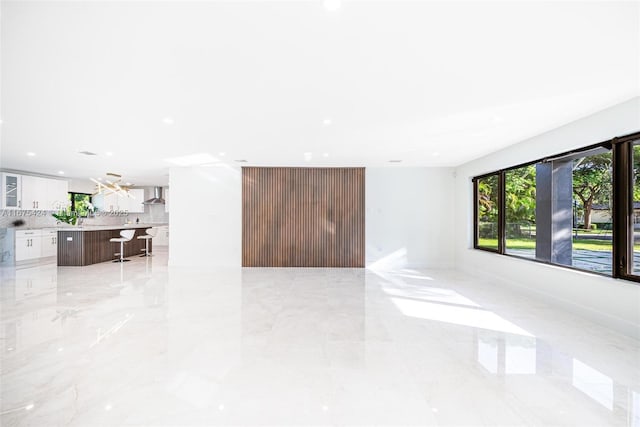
(79, 246)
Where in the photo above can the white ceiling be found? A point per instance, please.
(429, 83)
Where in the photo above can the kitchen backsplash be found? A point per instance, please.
(43, 219)
(152, 214)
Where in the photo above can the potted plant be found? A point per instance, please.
(66, 216)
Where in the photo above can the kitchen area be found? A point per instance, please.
(38, 219)
(50, 270)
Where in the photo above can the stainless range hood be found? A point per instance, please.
(157, 197)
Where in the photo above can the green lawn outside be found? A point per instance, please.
(578, 244)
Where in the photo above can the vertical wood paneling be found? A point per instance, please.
(70, 248)
(303, 217)
(91, 247)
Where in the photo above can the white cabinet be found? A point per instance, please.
(57, 194)
(109, 202)
(11, 191)
(44, 193)
(136, 199)
(114, 202)
(49, 243)
(98, 202)
(28, 244)
(34, 192)
(34, 244)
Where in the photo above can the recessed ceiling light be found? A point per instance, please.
(192, 159)
(308, 156)
(332, 5)
(222, 154)
(31, 154)
(109, 153)
(325, 154)
(327, 122)
(87, 153)
(61, 172)
(395, 161)
(435, 154)
(168, 121)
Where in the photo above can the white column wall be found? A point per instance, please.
(408, 218)
(615, 303)
(205, 229)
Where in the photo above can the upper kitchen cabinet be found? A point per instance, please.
(11, 191)
(29, 192)
(34, 192)
(44, 193)
(114, 202)
(107, 202)
(57, 194)
(136, 199)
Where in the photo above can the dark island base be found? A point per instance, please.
(92, 247)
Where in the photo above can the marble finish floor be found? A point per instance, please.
(143, 344)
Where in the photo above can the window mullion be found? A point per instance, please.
(501, 212)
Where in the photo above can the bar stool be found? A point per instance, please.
(125, 236)
(151, 233)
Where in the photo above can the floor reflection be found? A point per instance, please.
(507, 354)
(144, 344)
(503, 349)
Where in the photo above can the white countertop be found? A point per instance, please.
(108, 227)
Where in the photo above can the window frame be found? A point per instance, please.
(622, 205)
(623, 235)
(72, 207)
(476, 214)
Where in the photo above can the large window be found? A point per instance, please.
(593, 212)
(79, 203)
(520, 211)
(563, 209)
(634, 241)
(487, 208)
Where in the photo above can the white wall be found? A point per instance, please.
(408, 218)
(407, 214)
(81, 186)
(615, 303)
(206, 217)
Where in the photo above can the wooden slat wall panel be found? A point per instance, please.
(303, 217)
